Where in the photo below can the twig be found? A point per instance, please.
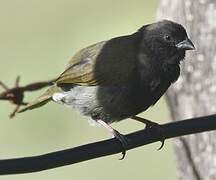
(16, 94)
(105, 148)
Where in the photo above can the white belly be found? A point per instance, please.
(81, 98)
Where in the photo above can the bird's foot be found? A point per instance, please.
(160, 131)
(121, 138)
(152, 125)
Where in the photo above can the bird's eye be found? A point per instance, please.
(167, 37)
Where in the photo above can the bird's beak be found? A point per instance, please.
(185, 45)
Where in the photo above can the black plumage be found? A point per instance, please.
(122, 77)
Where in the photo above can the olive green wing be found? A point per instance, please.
(81, 67)
(107, 62)
(43, 99)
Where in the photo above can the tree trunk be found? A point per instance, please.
(194, 93)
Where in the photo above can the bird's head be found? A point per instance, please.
(166, 40)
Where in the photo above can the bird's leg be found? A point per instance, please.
(122, 139)
(150, 124)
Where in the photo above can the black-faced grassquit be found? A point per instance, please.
(122, 77)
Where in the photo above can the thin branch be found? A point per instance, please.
(106, 147)
(16, 94)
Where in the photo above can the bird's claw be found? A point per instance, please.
(162, 144)
(149, 125)
(124, 142)
(158, 127)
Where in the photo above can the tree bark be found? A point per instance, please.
(194, 93)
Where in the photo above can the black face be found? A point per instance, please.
(166, 39)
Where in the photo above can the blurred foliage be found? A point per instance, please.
(37, 38)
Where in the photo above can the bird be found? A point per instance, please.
(119, 78)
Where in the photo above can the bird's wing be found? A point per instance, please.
(100, 63)
(81, 66)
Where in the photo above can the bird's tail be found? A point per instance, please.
(43, 99)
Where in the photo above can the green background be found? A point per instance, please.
(37, 38)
